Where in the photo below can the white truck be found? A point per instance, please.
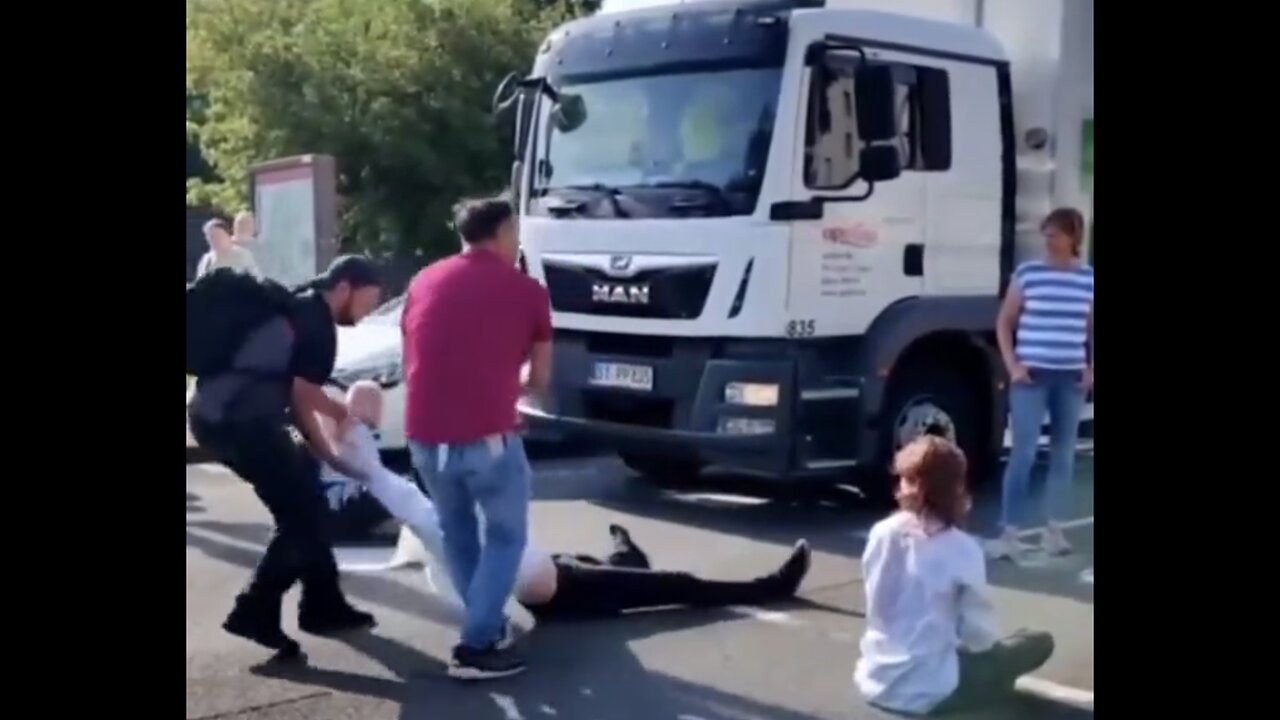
(775, 232)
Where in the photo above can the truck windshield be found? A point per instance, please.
(683, 131)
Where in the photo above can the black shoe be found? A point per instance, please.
(487, 664)
(787, 579)
(625, 551)
(333, 619)
(259, 622)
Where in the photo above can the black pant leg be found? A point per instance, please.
(592, 591)
(286, 479)
(989, 676)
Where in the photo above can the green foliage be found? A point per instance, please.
(397, 90)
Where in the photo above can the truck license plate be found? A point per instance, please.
(621, 375)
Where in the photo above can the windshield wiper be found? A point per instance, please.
(609, 191)
(715, 191)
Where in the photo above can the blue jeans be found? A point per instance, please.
(497, 478)
(1059, 393)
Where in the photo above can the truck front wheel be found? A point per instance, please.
(934, 400)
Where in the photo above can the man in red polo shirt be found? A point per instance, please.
(470, 323)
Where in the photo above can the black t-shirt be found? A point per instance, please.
(315, 346)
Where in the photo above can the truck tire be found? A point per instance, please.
(661, 469)
(928, 398)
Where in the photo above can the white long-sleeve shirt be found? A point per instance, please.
(402, 498)
(926, 599)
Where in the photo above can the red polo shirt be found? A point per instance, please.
(469, 323)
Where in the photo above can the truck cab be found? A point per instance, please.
(774, 232)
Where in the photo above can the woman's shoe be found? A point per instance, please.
(1007, 546)
(1054, 541)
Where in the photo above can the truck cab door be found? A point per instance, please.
(861, 248)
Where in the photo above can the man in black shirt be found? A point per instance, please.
(243, 418)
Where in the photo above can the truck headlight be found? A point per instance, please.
(387, 375)
(751, 394)
(746, 426)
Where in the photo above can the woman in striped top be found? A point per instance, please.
(1045, 330)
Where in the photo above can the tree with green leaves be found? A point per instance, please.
(398, 91)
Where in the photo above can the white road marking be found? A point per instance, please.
(721, 499)
(225, 539)
(507, 705)
(1056, 692)
(769, 616)
(1086, 576)
(1078, 522)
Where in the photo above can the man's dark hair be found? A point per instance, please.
(478, 220)
(217, 223)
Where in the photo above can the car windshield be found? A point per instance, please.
(710, 128)
(388, 313)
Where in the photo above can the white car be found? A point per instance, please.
(371, 351)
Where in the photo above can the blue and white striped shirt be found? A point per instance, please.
(1052, 329)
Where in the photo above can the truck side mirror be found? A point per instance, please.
(875, 91)
(878, 163)
(569, 113)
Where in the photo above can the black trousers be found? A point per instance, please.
(287, 480)
(989, 676)
(589, 587)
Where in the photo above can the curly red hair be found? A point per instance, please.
(932, 473)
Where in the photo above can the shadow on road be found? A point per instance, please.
(369, 588)
(574, 672)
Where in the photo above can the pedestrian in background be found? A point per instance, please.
(470, 323)
(1045, 331)
(223, 251)
(245, 230)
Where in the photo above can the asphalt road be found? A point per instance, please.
(789, 662)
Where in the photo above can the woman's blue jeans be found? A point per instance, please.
(1057, 392)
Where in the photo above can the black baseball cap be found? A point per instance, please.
(357, 271)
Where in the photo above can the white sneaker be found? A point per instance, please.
(508, 636)
(1054, 542)
(1007, 546)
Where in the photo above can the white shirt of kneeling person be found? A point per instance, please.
(931, 643)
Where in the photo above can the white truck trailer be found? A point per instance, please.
(775, 232)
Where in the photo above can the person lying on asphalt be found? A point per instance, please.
(398, 495)
(931, 643)
(561, 585)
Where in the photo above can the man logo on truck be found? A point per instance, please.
(619, 263)
(620, 294)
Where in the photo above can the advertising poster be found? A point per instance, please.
(285, 204)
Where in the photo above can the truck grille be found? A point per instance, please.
(630, 345)
(673, 293)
